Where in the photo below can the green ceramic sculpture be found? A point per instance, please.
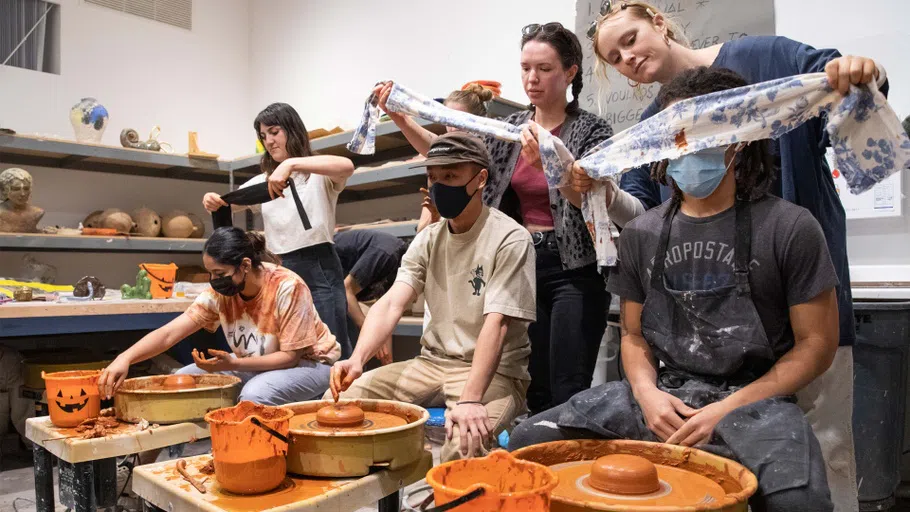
(141, 290)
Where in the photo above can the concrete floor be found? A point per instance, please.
(17, 484)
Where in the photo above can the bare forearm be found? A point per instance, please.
(330, 166)
(795, 370)
(379, 324)
(426, 218)
(274, 361)
(417, 135)
(159, 340)
(354, 310)
(487, 354)
(638, 363)
(573, 197)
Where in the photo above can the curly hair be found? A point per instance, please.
(567, 46)
(10, 176)
(754, 166)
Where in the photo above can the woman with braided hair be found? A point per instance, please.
(571, 297)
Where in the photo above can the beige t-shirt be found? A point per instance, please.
(284, 231)
(489, 269)
(280, 317)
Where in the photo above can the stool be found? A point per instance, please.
(89, 466)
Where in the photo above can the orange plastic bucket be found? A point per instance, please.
(509, 484)
(162, 277)
(72, 396)
(248, 459)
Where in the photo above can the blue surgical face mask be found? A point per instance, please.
(699, 174)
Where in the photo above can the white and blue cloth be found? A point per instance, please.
(866, 135)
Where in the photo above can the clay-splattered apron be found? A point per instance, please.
(712, 343)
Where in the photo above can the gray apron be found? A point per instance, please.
(712, 343)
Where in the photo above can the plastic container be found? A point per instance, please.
(162, 277)
(880, 358)
(436, 425)
(510, 485)
(72, 396)
(248, 459)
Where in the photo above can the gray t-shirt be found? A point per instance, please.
(790, 263)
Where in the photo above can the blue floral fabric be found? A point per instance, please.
(867, 137)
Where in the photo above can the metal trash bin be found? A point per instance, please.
(880, 359)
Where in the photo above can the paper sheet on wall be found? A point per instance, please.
(705, 22)
(884, 200)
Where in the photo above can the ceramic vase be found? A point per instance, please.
(89, 119)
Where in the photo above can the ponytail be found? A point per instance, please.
(229, 246)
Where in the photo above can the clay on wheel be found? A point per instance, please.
(624, 474)
(340, 416)
(179, 382)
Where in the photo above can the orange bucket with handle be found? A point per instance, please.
(72, 396)
(249, 445)
(495, 483)
(162, 277)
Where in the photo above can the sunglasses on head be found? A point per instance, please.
(605, 7)
(547, 28)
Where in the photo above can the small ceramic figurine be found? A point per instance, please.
(16, 215)
(141, 290)
(89, 119)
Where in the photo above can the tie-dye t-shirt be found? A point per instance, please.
(281, 317)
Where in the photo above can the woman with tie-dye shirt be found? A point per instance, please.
(280, 348)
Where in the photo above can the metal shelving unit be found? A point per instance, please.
(45, 243)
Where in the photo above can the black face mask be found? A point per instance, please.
(226, 286)
(450, 200)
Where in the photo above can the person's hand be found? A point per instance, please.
(220, 361)
(344, 373)
(699, 428)
(112, 377)
(473, 427)
(664, 413)
(385, 352)
(850, 70)
(530, 149)
(212, 201)
(428, 204)
(382, 92)
(581, 182)
(278, 180)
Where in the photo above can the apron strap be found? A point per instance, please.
(742, 245)
(256, 194)
(657, 271)
(300, 210)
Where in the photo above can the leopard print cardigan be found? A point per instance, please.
(580, 132)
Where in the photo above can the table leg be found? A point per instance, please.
(106, 479)
(84, 487)
(44, 479)
(391, 503)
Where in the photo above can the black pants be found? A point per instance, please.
(571, 320)
(320, 269)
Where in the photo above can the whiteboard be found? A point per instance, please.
(705, 22)
(883, 200)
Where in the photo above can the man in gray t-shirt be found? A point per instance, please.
(789, 264)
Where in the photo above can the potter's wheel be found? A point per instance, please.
(648, 477)
(390, 435)
(163, 399)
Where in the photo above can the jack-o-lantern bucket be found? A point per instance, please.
(72, 397)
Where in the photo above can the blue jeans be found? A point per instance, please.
(308, 381)
(320, 269)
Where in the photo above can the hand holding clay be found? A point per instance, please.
(663, 412)
(212, 202)
(343, 374)
(530, 149)
(112, 377)
(699, 428)
(850, 70)
(474, 427)
(220, 361)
